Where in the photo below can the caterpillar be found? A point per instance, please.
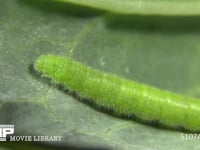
(123, 96)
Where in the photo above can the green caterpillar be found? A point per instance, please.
(123, 96)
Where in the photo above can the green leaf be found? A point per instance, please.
(148, 7)
(161, 51)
